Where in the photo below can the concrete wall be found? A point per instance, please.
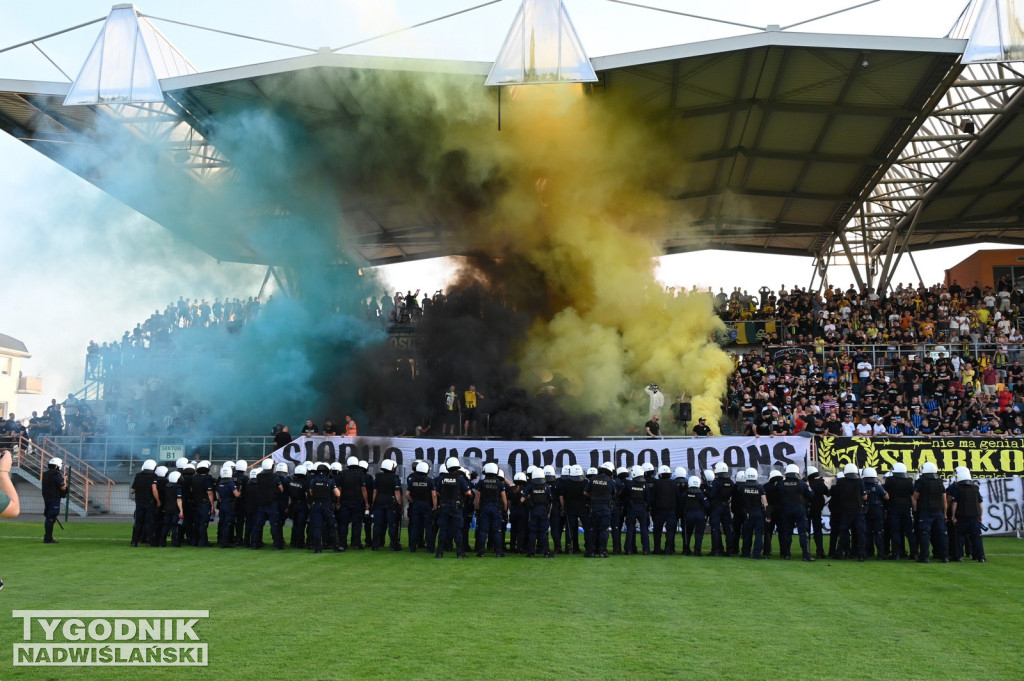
(978, 267)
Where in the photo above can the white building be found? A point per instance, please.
(12, 383)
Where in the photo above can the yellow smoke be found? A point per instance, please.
(586, 205)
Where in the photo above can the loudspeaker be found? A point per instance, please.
(685, 413)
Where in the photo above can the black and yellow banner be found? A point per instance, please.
(986, 457)
(750, 333)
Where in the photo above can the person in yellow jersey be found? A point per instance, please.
(469, 403)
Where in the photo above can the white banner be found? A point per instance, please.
(693, 454)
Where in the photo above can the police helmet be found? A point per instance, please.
(421, 467)
(352, 461)
(752, 475)
(300, 469)
(549, 470)
(929, 468)
(56, 462)
(538, 474)
(869, 473)
(490, 468)
(888, 474)
(161, 471)
(442, 468)
(680, 473)
(519, 477)
(335, 466)
(576, 471)
(268, 464)
(792, 469)
(621, 471)
(898, 468)
(850, 469)
(608, 466)
(253, 473)
(149, 465)
(774, 474)
(241, 465)
(388, 465)
(180, 463)
(566, 471)
(741, 476)
(364, 464)
(694, 481)
(204, 464)
(664, 471)
(637, 472)
(322, 467)
(591, 471)
(963, 474)
(529, 470)
(173, 477)
(281, 467)
(452, 462)
(709, 475)
(227, 470)
(190, 467)
(811, 471)
(648, 467)
(721, 467)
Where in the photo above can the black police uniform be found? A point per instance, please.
(145, 509)
(663, 512)
(720, 497)
(848, 495)
(637, 499)
(900, 519)
(386, 511)
(321, 492)
(600, 489)
(172, 515)
(452, 494)
(226, 507)
(202, 485)
(421, 508)
(52, 483)
(298, 510)
(537, 497)
(968, 500)
(695, 510)
(821, 492)
(488, 517)
(794, 497)
(575, 504)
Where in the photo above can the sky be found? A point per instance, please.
(81, 266)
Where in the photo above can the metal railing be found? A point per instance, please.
(33, 458)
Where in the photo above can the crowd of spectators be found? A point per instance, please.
(403, 309)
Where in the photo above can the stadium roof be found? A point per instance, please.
(789, 137)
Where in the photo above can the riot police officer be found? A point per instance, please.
(241, 477)
(146, 504)
(817, 505)
(739, 511)
(600, 490)
(794, 497)
(556, 519)
(517, 514)
(322, 493)
(663, 510)
(453, 492)
(636, 498)
(874, 517)
(755, 504)
(174, 512)
(55, 488)
(900, 489)
(419, 491)
(930, 503)
(298, 507)
(490, 503)
(202, 494)
(849, 496)
(695, 509)
(386, 505)
(575, 504)
(719, 497)
(771, 490)
(227, 493)
(965, 498)
(268, 487)
(537, 497)
(355, 501)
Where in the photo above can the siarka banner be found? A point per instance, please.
(693, 454)
(985, 457)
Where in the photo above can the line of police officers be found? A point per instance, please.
(334, 507)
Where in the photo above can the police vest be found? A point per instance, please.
(320, 488)
(538, 496)
(848, 493)
(574, 498)
(200, 487)
(297, 489)
(601, 490)
(875, 494)
(664, 493)
(901, 490)
(820, 490)
(692, 499)
(789, 493)
(52, 482)
(968, 498)
(225, 493)
(385, 485)
(490, 491)
(187, 500)
(637, 492)
(930, 499)
(449, 492)
(351, 483)
(752, 497)
(266, 487)
(143, 486)
(722, 489)
(172, 492)
(419, 487)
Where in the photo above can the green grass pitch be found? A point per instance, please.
(384, 615)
